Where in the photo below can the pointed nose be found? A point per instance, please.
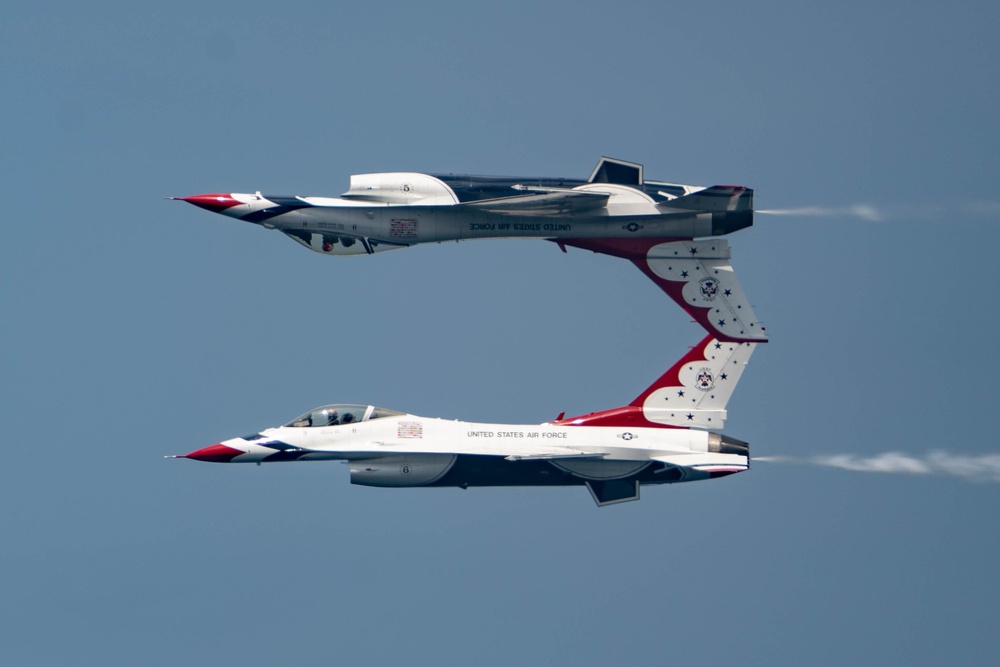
(214, 454)
(217, 203)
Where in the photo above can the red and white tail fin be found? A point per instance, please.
(697, 275)
(700, 278)
(693, 393)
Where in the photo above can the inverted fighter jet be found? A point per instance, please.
(665, 435)
(615, 212)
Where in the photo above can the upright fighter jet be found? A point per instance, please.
(661, 437)
(615, 211)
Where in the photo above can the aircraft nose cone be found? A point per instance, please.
(211, 202)
(214, 454)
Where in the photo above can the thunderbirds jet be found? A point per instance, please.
(663, 436)
(615, 212)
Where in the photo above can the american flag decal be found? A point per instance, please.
(410, 430)
(405, 228)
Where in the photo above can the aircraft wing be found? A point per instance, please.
(377, 449)
(549, 456)
(545, 201)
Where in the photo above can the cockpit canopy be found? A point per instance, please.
(339, 414)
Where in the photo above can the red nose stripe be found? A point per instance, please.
(214, 454)
(212, 202)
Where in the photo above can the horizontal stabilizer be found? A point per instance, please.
(716, 199)
(705, 461)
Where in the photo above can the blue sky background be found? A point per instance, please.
(135, 327)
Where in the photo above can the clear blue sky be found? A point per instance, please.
(135, 327)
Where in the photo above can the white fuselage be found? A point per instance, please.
(408, 450)
(419, 435)
(404, 225)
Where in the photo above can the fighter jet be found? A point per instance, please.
(616, 211)
(665, 435)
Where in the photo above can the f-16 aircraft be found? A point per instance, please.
(616, 211)
(663, 436)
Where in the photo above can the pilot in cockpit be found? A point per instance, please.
(338, 415)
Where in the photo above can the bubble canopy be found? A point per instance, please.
(339, 414)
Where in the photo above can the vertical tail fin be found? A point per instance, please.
(697, 275)
(693, 393)
(696, 389)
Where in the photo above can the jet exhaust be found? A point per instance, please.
(863, 211)
(980, 210)
(980, 468)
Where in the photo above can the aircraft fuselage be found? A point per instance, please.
(399, 209)
(388, 449)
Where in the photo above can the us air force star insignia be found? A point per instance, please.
(709, 288)
(626, 436)
(632, 227)
(705, 380)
